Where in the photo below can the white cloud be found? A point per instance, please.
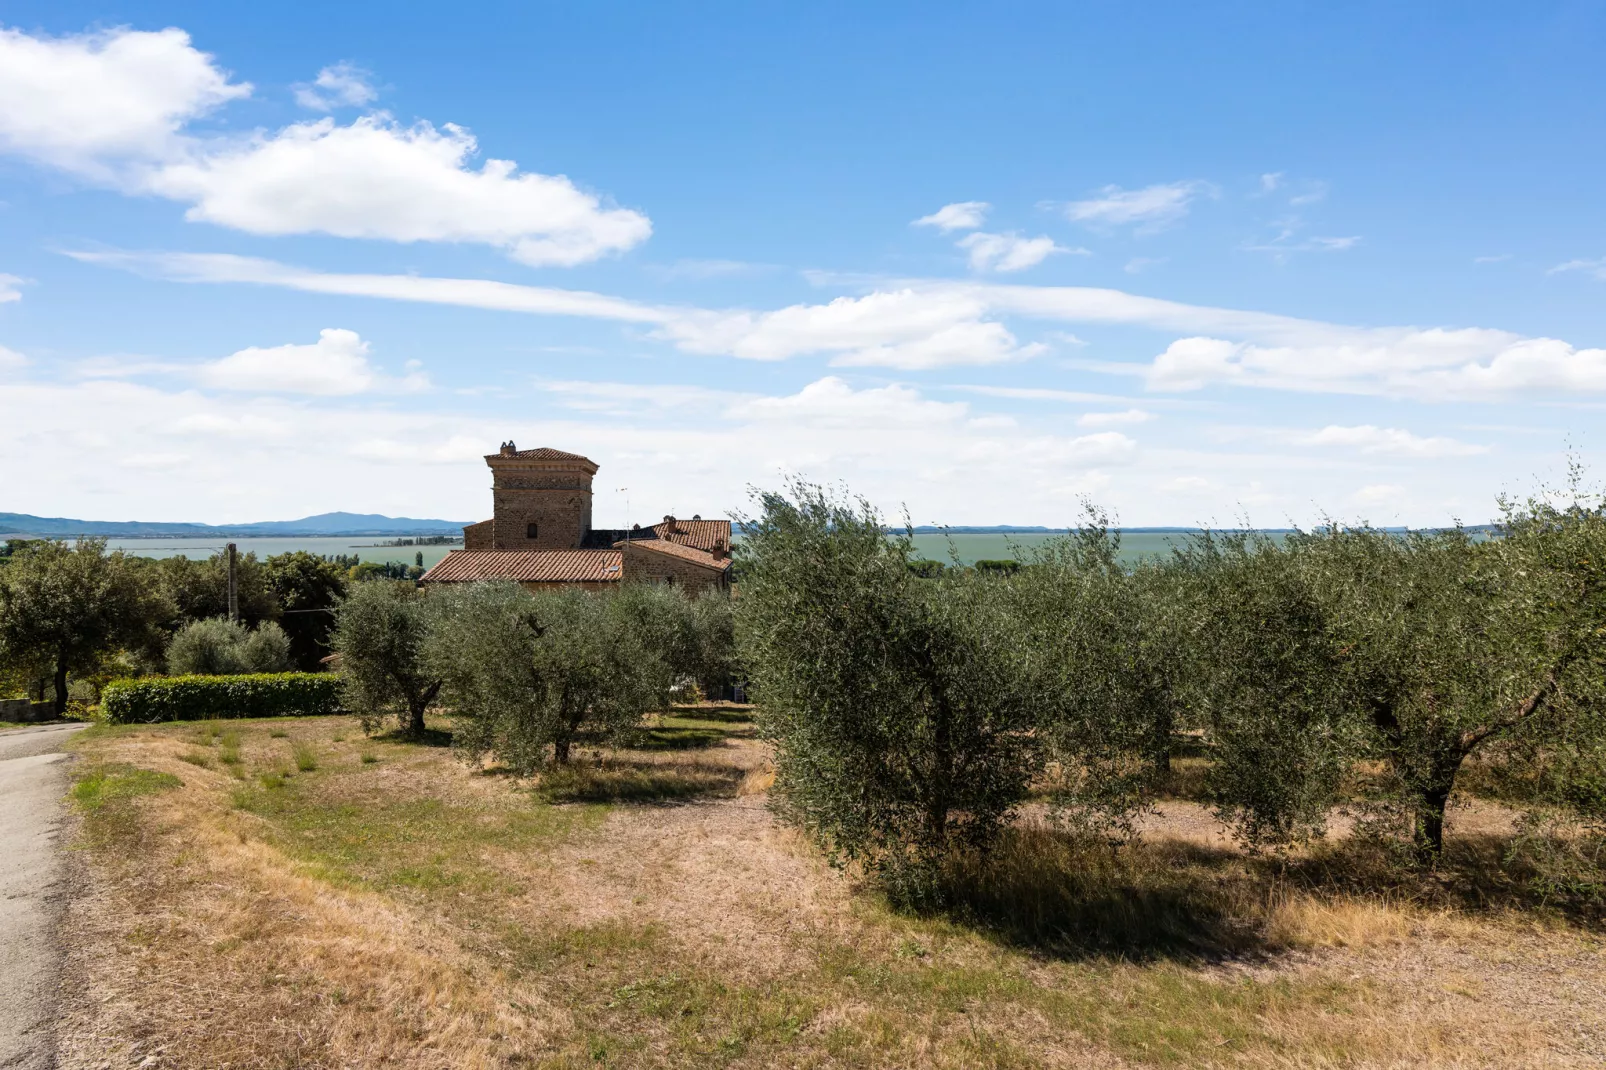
(1596, 268)
(10, 288)
(375, 179)
(1270, 182)
(1378, 494)
(1367, 439)
(1151, 208)
(114, 107)
(931, 323)
(1114, 419)
(1008, 252)
(1436, 364)
(1138, 263)
(338, 85)
(84, 103)
(1287, 241)
(336, 364)
(901, 329)
(830, 403)
(963, 215)
(10, 358)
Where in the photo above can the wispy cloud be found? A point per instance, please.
(1139, 263)
(1148, 209)
(11, 288)
(1392, 441)
(1009, 252)
(1114, 419)
(942, 323)
(961, 215)
(338, 85)
(1597, 268)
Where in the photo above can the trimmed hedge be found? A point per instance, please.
(200, 698)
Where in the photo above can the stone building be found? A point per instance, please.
(540, 534)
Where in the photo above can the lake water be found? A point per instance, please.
(969, 548)
(323, 545)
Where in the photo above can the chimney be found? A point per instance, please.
(508, 449)
(669, 526)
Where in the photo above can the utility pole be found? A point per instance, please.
(234, 588)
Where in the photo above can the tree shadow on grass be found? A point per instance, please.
(618, 779)
(676, 737)
(713, 713)
(1553, 874)
(430, 737)
(1072, 898)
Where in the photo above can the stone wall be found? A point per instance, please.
(479, 536)
(556, 499)
(641, 565)
(23, 710)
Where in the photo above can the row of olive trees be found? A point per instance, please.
(913, 714)
(526, 676)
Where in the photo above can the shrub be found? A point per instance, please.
(197, 698)
(221, 647)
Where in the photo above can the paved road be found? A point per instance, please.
(33, 779)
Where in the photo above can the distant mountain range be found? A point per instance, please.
(322, 524)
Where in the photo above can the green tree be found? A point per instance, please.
(307, 588)
(1106, 642)
(1268, 682)
(380, 634)
(69, 606)
(529, 675)
(1455, 647)
(897, 705)
(199, 590)
(222, 647)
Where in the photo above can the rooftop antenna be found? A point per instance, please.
(626, 492)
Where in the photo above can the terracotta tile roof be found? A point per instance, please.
(686, 553)
(527, 566)
(546, 453)
(703, 534)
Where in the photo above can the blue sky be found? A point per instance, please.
(1198, 262)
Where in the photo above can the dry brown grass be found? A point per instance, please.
(412, 912)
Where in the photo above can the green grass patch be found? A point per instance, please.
(108, 784)
(418, 845)
(306, 758)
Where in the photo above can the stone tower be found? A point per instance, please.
(541, 499)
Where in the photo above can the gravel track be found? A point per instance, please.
(33, 781)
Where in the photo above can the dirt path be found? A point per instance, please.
(33, 779)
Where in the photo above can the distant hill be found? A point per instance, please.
(322, 524)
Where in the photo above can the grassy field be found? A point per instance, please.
(294, 894)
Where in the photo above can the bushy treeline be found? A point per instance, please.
(527, 676)
(914, 711)
(76, 612)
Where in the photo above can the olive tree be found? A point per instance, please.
(897, 705)
(1456, 646)
(529, 675)
(1266, 681)
(380, 634)
(66, 607)
(224, 647)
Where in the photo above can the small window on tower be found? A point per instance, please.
(529, 531)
